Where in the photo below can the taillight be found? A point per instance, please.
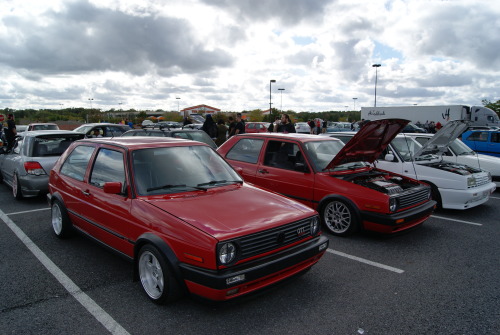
(34, 168)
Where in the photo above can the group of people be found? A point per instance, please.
(317, 126)
(219, 132)
(430, 127)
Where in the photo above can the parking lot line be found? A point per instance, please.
(366, 261)
(462, 221)
(33, 210)
(494, 197)
(87, 302)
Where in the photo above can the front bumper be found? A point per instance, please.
(391, 223)
(259, 273)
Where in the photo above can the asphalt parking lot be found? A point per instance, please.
(440, 278)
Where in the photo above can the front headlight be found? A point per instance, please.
(471, 182)
(314, 226)
(227, 253)
(393, 204)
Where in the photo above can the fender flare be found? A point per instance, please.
(322, 203)
(164, 248)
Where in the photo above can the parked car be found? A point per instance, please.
(256, 127)
(183, 216)
(147, 124)
(196, 126)
(167, 124)
(454, 186)
(27, 166)
(485, 142)
(104, 129)
(42, 126)
(334, 179)
(189, 134)
(460, 153)
(338, 126)
(411, 128)
(21, 128)
(302, 128)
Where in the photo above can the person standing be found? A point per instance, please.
(240, 125)
(10, 131)
(221, 132)
(286, 125)
(325, 125)
(210, 127)
(232, 126)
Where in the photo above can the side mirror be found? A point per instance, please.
(389, 157)
(239, 170)
(113, 187)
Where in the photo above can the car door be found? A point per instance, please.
(109, 213)
(245, 155)
(277, 171)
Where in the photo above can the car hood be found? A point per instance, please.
(231, 211)
(369, 142)
(439, 143)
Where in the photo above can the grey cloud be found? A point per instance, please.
(85, 38)
(290, 12)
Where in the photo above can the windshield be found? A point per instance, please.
(180, 169)
(83, 129)
(460, 148)
(321, 154)
(406, 148)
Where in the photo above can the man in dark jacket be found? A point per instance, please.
(10, 131)
(286, 125)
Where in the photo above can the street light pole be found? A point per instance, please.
(281, 93)
(90, 100)
(178, 108)
(270, 84)
(354, 103)
(376, 66)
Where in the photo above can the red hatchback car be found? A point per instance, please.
(182, 215)
(256, 127)
(336, 180)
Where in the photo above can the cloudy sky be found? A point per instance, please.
(145, 54)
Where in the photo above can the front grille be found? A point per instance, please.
(268, 240)
(482, 180)
(413, 198)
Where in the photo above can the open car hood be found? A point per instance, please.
(369, 142)
(439, 143)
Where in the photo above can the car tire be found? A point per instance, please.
(436, 196)
(339, 218)
(61, 224)
(155, 276)
(16, 187)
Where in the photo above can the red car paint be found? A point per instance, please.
(323, 174)
(186, 224)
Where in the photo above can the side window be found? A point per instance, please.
(76, 163)
(108, 167)
(282, 155)
(478, 136)
(246, 150)
(495, 137)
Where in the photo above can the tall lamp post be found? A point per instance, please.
(90, 100)
(354, 99)
(376, 66)
(270, 84)
(281, 93)
(178, 108)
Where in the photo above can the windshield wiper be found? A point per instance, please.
(164, 187)
(215, 182)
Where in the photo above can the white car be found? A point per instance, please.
(459, 152)
(454, 185)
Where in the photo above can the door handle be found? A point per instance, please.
(86, 192)
(263, 171)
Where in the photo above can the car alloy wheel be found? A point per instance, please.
(61, 224)
(339, 218)
(16, 187)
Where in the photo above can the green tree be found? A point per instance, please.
(492, 105)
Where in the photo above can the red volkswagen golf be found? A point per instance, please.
(336, 180)
(182, 215)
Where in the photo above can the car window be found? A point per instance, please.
(52, 145)
(108, 167)
(180, 169)
(495, 137)
(478, 136)
(199, 136)
(246, 150)
(112, 131)
(281, 154)
(76, 163)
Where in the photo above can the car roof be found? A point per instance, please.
(140, 142)
(294, 136)
(35, 133)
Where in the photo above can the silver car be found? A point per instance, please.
(27, 166)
